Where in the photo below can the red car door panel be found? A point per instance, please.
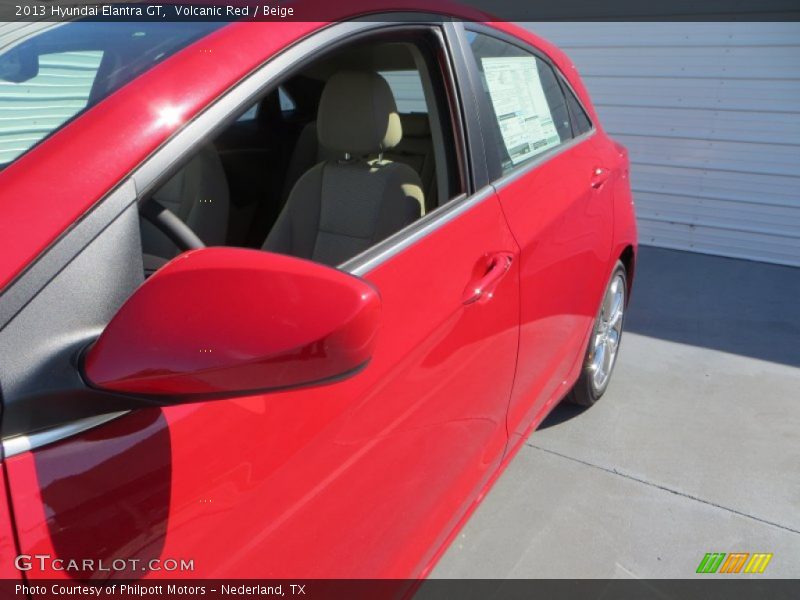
(361, 478)
(549, 175)
(564, 227)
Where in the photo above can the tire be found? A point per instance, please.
(603, 347)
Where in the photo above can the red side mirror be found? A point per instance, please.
(220, 322)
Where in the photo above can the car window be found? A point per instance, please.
(407, 89)
(286, 101)
(249, 115)
(526, 98)
(52, 75)
(267, 169)
(580, 120)
(30, 109)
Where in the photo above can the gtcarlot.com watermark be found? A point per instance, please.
(45, 562)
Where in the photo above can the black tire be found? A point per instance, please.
(586, 390)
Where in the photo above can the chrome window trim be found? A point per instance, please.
(19, 444)
(363, 263)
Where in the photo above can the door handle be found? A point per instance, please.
(482, 288)
(599, 177)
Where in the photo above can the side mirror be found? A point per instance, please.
(19, 65)
(220, 322)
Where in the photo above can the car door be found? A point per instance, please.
(552, 186)
(363, 477)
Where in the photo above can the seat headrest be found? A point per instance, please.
(357, 114)
(415, 125)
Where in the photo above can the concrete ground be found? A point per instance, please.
(695, 447)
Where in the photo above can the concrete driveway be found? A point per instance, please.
(695, 447)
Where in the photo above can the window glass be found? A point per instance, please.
(30, 109)
(407, 89)
(580, 120)
(250, 115)
(529, 106)
(287, 103)
(425, 174)
(54, 74)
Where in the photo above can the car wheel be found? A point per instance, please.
(601, 355)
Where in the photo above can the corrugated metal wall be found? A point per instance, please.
(711, 115)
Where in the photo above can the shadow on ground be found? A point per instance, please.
(741, 307)
(736, 306)
(564, 411)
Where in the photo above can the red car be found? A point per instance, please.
(283, 299)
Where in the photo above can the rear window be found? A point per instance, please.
(50, 76)
(531, 111)
(407, 89)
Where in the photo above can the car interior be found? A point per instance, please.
(348, 149)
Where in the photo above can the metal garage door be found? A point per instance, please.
(711, 115)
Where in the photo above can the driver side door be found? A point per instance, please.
(364, 477)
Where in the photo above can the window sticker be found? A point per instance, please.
(520, 105)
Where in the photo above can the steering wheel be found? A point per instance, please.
(170, 225)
